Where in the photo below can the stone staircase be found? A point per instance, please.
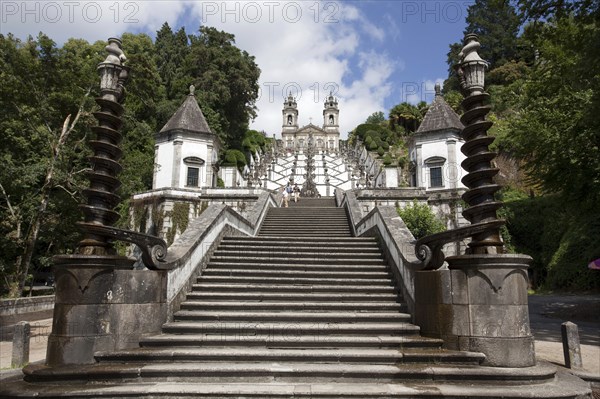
(309, 217)
(303, 310)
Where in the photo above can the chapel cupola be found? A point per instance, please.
(290, 114)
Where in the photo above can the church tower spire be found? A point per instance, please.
(331, 114)
(290, 114)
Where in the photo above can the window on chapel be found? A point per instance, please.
(435, 176)
(192, 177)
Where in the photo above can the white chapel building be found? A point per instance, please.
(186, 151)
(434, 148)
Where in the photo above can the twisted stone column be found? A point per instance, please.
(101, 197)
(101, 304)
(482, 206)
(480, 303)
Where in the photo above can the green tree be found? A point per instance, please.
(420, 220)
(556, 131)
(227, 81)
(171, 49)
(497, 24)
(545, 9)
(406, 116)
(452, 59)
(44, 116)
(376, 118)
(44, 153)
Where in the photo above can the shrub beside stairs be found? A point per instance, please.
(303, 310)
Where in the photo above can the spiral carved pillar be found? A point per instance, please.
(101, 197)
(98, 306)
(482, 206)
(481, 303)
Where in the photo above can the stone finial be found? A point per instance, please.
(115, 52)
(192, 90)
(471, 69)
(470, 50)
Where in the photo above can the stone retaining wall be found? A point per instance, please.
(11, 307)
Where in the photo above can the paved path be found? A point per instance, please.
(547, 312)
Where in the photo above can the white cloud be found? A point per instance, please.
(294, 51)
(308, 44)
(89, 20)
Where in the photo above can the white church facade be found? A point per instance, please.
(325, 138)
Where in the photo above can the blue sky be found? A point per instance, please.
(372, 53)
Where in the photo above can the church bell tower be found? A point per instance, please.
(331, 114)
(290, 115)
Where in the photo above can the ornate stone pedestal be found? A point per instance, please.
(479, 305)
(102, 305)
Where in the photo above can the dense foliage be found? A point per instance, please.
(44, 151)
(544, 80)
(420, 220)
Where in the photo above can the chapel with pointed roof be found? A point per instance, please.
(434, 148)
(186, 151)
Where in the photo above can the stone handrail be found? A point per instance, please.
(396, 239)
(353, 207)
(399, 245)
(198, 240)
(338, 193)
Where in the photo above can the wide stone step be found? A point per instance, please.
(303, 219)
(357, 305)
(349, 290)
(304, 226)
(306, 216)
(317, 259)
(323, 241)
(563, 386)
(300, 209)
(279, 221)
(294, 273)
(321, 219)
(260, 242)
(286, 328)
(315, 230)
(306, 267)
(249, 317)
(307, 224)
(293, 280)
(215, 354)
(305, 234)
(293, 340)
(312, 227)
(294, 253)
(309, 373)
(239, 293)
